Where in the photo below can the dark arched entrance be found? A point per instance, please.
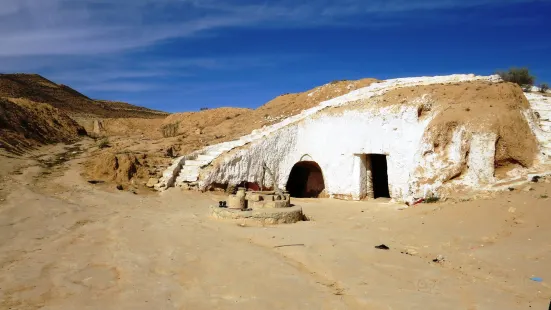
(305, 180)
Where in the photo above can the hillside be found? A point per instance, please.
(198, 129)
(195, 130)
(26, 124)
(36, 88)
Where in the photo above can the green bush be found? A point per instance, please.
(520, 76)
(544, 87)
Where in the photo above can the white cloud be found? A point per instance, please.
(122, 87)
(91, 27)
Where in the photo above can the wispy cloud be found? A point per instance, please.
(90, 27)
(121, 87)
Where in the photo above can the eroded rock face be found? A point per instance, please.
(98, 128)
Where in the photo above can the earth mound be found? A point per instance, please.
(199, 129)
(481, 107)
(122, 168)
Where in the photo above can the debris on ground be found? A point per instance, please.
(438, 259)
(287, 245)
(536, 279)
(382, 247)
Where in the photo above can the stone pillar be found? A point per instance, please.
(362, 175)
(369, 193)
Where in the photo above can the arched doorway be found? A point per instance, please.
(305, 180)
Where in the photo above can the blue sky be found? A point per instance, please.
(181, 55)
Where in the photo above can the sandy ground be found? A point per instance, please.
(68, 244)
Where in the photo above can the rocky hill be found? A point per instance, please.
(36, 88)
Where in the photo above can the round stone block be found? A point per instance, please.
(263, 216)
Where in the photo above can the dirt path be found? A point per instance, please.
(68, 244)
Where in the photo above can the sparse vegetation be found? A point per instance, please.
(103, 143)
(431, 199)
(520, 76)
(544, 87)
(203, 109)
(544, 196)
(170, 130)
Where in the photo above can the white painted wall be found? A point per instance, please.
(332, 141)
(415, 168)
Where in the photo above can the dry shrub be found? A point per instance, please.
(103, 143)
(170, 130)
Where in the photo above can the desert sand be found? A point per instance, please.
(69, 244)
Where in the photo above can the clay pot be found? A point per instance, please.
(237, 202)
(241, 194)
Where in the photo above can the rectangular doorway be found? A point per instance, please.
(377, 164)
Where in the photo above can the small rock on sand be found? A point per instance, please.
(152, 181)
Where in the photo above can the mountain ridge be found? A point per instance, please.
(36, 88)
